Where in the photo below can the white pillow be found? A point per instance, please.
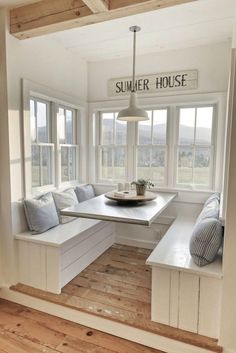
(84, 192)
(65, 199)
(41, 213)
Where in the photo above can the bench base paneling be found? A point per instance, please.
(49, 267)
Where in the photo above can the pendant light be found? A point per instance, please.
(133, 112)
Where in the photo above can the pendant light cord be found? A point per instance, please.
(134, 54)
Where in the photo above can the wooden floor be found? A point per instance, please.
(117, 286)
(24, 330)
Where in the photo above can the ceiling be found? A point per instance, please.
(14, 3)
(192, 24)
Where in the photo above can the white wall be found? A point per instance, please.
(228, 324)
(212, 62)
(45, 62)
(5, 210)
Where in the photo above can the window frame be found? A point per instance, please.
(56, 99)
(75, 144)
(99, 147)
(212, 147)
(166, 145)
(218, 100)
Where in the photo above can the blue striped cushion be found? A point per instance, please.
(206, 240)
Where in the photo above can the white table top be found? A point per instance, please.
(102, 208)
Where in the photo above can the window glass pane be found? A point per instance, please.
(69, 127)
(143, 162)
(42, 122)
(159, 126)
(61, 126)
(107, 128)
(204, 125)
(185, 165)
(119, 163)
(72, 163)
(64, 164)
(106, 158)
(121, 132)
(158, 164)
(35, 165)
(202, 166)
(32, 121)
(186, 126)
(46, 165)
(144, 130)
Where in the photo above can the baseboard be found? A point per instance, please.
(135, 242)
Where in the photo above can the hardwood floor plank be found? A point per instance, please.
(116, 301)
(77, 338)
(11, 343)
(117, 287)
(31, 330)
(125, 290)
(120, 274)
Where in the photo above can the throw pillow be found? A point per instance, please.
(84, 192)
(65, 199)
(206, 240)
(41, 213)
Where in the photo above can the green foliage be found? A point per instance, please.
(143, 182)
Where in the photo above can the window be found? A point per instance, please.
(174, 148)
(54, 143)
(151, 159)
(67, 141)
(41, 146)
(113, 148)
(195, 148)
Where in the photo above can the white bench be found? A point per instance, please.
(184, 295)
(50, 260)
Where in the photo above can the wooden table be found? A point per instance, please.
(107, 210)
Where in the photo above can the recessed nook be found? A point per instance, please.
(82, 238)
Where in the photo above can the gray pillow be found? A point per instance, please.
(84, 192)
(205, 241)
(65, 199)
(41, 213)
(211, 210)
(215, 196)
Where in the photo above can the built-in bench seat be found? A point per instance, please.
(184, 295)
(50, 260)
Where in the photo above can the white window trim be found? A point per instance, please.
(212, 146)
(31, 89)
(215, 98)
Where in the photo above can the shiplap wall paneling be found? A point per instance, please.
(174, 298)
(209, 306)
(160, 308)
(53, 264)
(80, 264)
(22, 253)
(188, 302)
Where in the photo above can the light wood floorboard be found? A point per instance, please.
(117, 286)
(24, 330)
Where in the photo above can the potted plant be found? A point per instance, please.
(142, 185)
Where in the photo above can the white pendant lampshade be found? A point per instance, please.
(133, 112)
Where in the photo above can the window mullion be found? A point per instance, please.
(40, 165)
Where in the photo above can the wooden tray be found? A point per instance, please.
(130, 196)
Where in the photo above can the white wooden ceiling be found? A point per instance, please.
(192, 24)
(189, 25)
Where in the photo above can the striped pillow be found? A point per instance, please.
(206, 240)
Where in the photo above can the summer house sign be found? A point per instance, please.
(156, 83)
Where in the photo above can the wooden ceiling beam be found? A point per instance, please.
(97, 6)
(48, 16)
